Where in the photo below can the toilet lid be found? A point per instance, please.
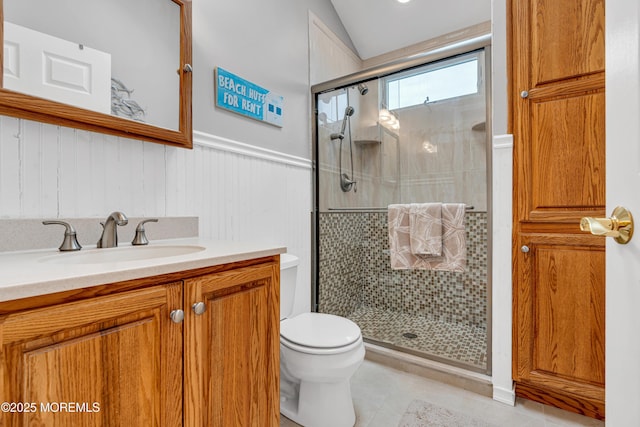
(319, 330)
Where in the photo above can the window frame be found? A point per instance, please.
(476, 56)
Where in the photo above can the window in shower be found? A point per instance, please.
(444, 80)
(405, 150)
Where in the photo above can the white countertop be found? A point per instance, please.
(31, 273)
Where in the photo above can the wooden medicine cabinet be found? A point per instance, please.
(109, 66)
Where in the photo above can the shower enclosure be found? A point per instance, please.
(412, 132)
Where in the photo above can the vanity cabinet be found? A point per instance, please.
(94, 362)
(232, 349)
(112, 355)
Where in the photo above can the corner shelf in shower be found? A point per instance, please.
(480, 127)
(366, 142)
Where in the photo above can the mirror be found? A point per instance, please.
(111, 66)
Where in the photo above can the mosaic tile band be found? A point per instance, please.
(355, 277)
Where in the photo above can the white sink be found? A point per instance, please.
(122, 254)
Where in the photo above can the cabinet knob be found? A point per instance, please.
(524, 249)
(177, 316)
(199, 308)
(524, 94)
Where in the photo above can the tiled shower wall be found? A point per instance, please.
(354, 271)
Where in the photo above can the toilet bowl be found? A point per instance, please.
(318, 355)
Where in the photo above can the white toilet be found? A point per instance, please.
(318, 355)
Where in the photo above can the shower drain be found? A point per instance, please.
(409, 335)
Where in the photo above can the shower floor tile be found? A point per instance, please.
(461, 344)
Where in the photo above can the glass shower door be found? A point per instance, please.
(415, 136)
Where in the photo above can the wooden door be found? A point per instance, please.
(557, 98)
(107, 361)
(232, 349)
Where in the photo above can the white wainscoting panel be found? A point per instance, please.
(501, 294)
(239, 192)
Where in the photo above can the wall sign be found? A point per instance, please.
(236, 94)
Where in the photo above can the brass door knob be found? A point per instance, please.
(619, 225)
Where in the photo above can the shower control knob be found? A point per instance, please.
(524, 249)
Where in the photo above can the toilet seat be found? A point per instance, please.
(318, 350)
(320, 333)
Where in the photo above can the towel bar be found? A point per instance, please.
(376, 209)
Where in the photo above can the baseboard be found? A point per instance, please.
(503, 395)
(458, 377)
(563, 399)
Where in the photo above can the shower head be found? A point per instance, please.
(362, 87)
(348, 112)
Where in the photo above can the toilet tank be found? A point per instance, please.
(288, 274)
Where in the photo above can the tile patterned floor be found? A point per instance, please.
(381, 396)
(458, 343)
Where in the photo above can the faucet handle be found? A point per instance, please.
(70, 242)
(141, 237)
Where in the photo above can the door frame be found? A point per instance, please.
(622, 37)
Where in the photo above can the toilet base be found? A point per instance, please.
(314, 380)
(320, 405)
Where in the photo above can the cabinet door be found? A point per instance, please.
(557, 93)
(108, 361)
(560, 322)
(232, 353)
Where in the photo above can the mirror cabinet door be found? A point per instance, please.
(112, 66)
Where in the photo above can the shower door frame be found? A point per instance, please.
(467, 46)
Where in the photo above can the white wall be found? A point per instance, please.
(267, 43)
(499, 105)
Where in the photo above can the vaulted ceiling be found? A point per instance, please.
(381, 26)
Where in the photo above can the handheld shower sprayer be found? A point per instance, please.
(346, 183)
(348, 112)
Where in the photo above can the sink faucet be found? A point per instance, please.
(109, 238)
